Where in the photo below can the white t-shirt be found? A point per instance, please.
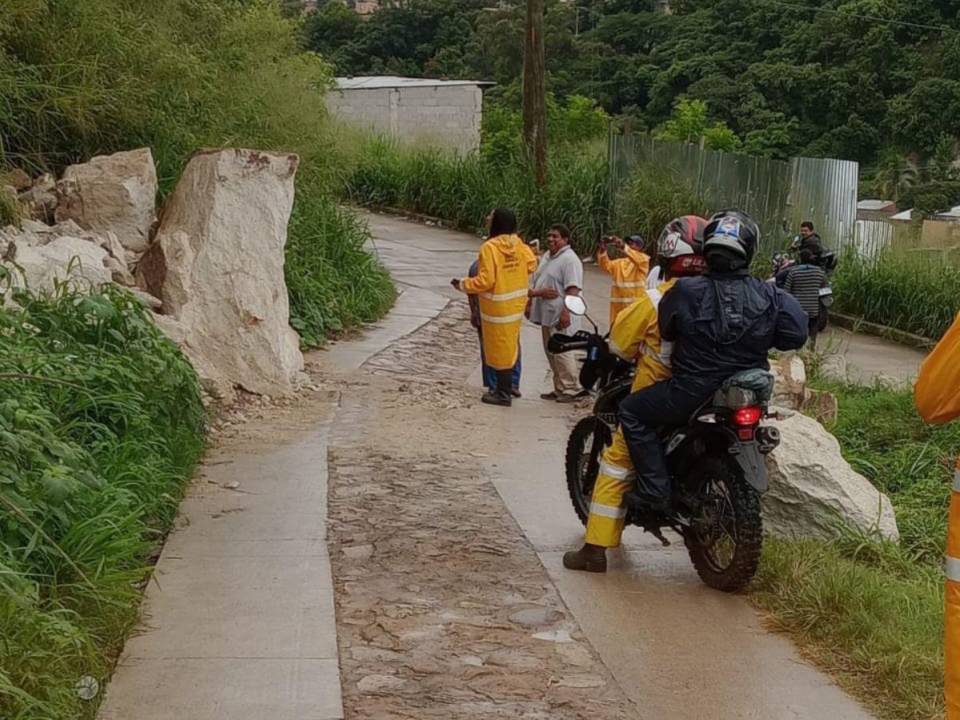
(653, 277)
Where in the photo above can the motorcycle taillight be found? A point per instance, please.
(745, 420)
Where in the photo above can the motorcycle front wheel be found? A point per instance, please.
(583, 463)
(726, 537)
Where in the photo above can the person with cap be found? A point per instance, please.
(628, 273)
(938, 401)
(720, 324)
(635, 337)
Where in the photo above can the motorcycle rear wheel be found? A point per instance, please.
(726, 539)
(583, 463)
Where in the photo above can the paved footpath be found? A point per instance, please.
(431, 587)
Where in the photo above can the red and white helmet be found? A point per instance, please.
(680, 246)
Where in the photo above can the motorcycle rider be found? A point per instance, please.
(636, 336)
(720, 324)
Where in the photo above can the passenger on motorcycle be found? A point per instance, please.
(720, 324)
(635, 336)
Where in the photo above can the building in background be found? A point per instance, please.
(436, 113)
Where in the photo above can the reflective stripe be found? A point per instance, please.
(607, 511)
(617, 473)
(952, 567)
(505, 320)
(630, 284)
(505, 296)
(663, 357)
(623, 300)
(655, 296)
(956, 480)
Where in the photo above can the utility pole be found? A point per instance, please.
(535, 91)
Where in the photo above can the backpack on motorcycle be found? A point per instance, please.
(750, 387)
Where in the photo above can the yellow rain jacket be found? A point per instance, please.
(634, 336)
(502, 280)
(938, 400)
(629, 278)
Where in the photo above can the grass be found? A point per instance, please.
(872, 612)
(101, 424)
(463, 190)
(904, 290)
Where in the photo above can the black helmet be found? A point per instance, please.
(731, 234)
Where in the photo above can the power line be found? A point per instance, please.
(871, 18)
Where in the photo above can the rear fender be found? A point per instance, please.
(718, 440)
(748, 457)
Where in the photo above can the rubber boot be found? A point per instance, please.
(501, 396)
(589, 558)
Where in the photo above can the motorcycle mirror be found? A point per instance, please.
(575, 304)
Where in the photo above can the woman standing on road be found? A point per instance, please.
(503, 275)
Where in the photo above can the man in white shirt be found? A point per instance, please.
(560, 274)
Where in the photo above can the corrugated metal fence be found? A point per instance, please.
(778, 194)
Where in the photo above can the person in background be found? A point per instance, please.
(808, 240)
(629, 273)
(489, 374)
(560, 273)
(635, 337)
(938, 401)
(804, 281)
(502, 280)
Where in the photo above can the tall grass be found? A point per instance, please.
(901, 289)
(653, 197)
(463, 190)
(872, 612)
(100, 425)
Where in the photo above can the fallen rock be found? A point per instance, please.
(41, 200)
(18, 179)
(41, 267)
(813, 489)
(115, 193)
(790, 376)
(217, 265)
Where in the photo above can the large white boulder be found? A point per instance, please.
(115, 193)
(64, 258)
(217, 265)
(813, 489)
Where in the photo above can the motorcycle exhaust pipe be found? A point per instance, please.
(768, 439)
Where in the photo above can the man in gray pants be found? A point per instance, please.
(560, 274)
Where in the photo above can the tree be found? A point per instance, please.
(689, 124)
(535, 91)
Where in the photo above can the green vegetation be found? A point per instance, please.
(464, 190)
(79, 79)
(100, 417)
(101, 423)
(871, 612)
(904, 290)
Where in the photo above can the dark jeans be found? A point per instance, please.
(667, 404)
(490, 375)
(813, 329)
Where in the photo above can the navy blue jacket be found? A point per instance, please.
(723, 324)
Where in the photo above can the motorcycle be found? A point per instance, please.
(716, 460)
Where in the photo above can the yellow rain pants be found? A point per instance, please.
(634, 336)
(938, 400)
(503, 273)
(629, 278)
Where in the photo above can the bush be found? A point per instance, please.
(463, 190)
(903, 290)
(652, 198)
(101, 424)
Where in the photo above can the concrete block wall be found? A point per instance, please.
(439, 116)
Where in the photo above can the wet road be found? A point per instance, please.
(676, 648)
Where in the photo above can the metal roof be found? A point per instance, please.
(874, 204)
(375, 82)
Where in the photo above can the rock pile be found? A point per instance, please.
(212, 268)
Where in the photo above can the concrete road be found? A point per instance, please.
(676, 648)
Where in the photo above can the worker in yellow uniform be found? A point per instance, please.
(501, 282)
(635, 336)
(938, 400)
(629, 273)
